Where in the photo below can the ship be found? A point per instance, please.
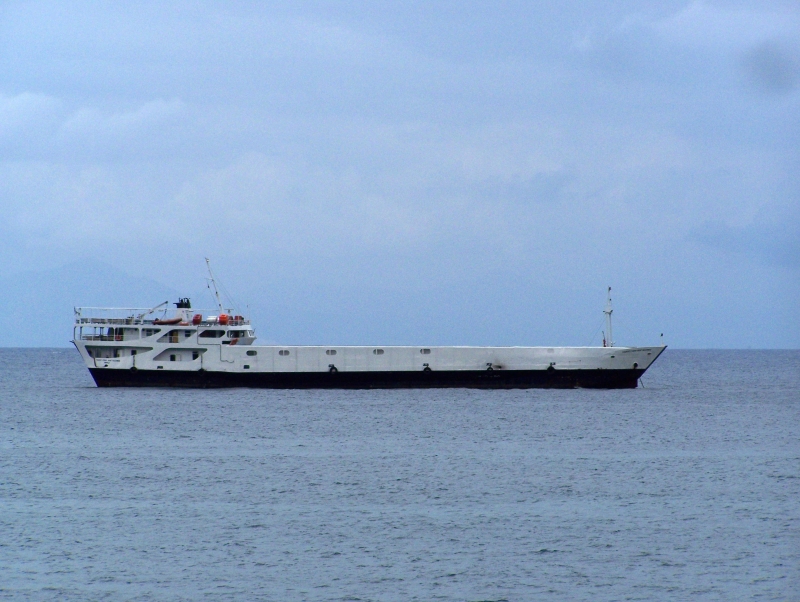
(214, 348)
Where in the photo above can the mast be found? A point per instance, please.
(608, 311)
(214, 283)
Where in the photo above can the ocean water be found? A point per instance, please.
(688, 488)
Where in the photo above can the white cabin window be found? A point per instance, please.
(330, 352)
(283, 352)
(252, 352)
(377, 351)
(424, 351)
(149, 332)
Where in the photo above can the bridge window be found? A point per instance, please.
(175, 336)
(212, 334)
(170, 337)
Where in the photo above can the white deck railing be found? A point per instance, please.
(132, 316)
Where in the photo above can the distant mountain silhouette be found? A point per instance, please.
(36, 308)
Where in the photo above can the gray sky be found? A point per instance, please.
(401, 172)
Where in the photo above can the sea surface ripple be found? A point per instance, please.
(688, 488)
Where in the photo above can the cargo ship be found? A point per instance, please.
(186, 347)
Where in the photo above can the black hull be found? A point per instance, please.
(471, 379)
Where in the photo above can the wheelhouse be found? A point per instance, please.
(110, 326)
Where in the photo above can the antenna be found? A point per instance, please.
(608, 311)
(214, 283)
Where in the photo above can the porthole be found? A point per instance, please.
(330, 352)
(377, 351)
(252, 352)
(424, 351)
(283, 352)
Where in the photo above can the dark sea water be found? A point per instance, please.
(687, 489)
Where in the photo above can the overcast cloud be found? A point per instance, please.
(400, 172)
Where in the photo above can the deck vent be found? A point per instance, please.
(377, 351)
